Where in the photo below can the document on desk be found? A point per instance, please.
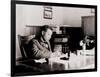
(40, 60)
(59, 58)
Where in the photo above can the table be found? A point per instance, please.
(80, 61)
(83, 60)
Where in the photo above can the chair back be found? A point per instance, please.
(23, 42)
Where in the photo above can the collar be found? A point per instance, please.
(43, 40)
(46, 43)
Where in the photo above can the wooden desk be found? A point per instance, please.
(75, 62)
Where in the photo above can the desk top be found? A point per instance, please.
(81, 61)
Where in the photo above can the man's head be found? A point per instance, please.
(46, 32)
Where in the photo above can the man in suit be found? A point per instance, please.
(39, 47)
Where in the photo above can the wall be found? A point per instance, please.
(72, 16)
(33, 15)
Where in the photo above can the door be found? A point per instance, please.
(88, 24)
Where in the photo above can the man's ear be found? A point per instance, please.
(43, 32)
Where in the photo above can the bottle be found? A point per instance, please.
(84, 47)
(84, 43)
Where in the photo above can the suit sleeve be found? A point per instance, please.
(38, 51)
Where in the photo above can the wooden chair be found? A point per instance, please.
(23, 41)
(26, 55)
(29, 62)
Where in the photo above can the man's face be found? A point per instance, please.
(47, 35)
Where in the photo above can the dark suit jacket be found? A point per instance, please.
(38, 48)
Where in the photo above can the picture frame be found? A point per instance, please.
(18, 63)
(47, 12)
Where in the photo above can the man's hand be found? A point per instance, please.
(55, 54)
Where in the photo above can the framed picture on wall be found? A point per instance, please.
(69, 49)
(47, 12)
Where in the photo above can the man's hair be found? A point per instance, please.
(45, 28)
